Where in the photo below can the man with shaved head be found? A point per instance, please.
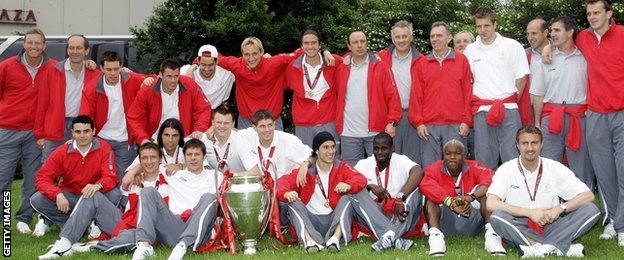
(456, 187)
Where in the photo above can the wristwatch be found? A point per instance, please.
(474, 197)
(564, 207)
(401, 195)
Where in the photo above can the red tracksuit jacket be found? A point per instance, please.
(305, 111)
(94, 102)
(341, 172)
(441, 93)
(383, 98)
(51, 111)
(261, 87)
(19, 93)
(437, 184)
(146, 110)
(67, 170)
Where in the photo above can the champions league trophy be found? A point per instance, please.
(249, 208)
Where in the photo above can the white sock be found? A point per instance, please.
(488, 226)
(390, 233)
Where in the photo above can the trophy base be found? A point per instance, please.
(249, 246)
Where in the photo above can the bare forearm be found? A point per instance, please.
(495, 203)
(520, 86)
(579, 200)
(538, 105)
(416, 175)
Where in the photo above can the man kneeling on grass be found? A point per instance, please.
(320, 209)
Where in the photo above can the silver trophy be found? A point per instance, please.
(248, 201)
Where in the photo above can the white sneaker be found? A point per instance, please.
(178, 251)
(494, 243)
(82, 247)
(385, 242)
(23, 228)
(94, 231)
(608, 232)
(143, 251)
(437, 246)
(40, 228)
(61, 247)
(333, 245)
(547, 249)
(532, 251)
(576, 250)
(621, 239)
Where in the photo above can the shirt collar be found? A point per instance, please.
(175, 91)
(28, 65)
(319, 171)
(75, 145)
(539, 162)
(395, 54)
(359, 66)
(310, 66)
(575, 52)
(495, 42)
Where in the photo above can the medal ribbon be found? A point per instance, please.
(318, 181)
(225, 154)
(268, 163)
(537, 182)
(386, 177)
(306, 74)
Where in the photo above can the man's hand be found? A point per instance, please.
(462, 205)
(62, 204)
(291, 196)
(464, 129)
(342, 187)
(537, 124)
(552, 214)
(390, 129)
(301, 174)
(40, 143)
(329, 58)
(210, 133)
(147, 82)
(129, 177)
(538, 216)
(547, 54)
(90, 65)
(422, 132)
(381, 193)
(196, 134)
(400, 211)
(144, 141)
(266, 55)
(126, 70)
(90, 189)
(173, 168)
(191, 71)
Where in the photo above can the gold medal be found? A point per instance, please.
(327, 203)
(310, 93)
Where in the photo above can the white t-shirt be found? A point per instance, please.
(316, 205)
(496, 67)
(170, 107)
(217, 89)
(400, 166)
(115, 126)
(177, 157)
(321, 85)
(240, 156)
(185, 188)
(289, 152)
(557, 182)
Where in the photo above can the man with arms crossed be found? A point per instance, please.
(525, 199)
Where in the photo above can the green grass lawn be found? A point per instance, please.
(28, 247)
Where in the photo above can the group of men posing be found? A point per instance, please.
(397, 110)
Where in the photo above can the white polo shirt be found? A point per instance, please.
(289, 152)
(496, 67)
(73, 89)
(557, 182)
(400, 166)
(316, 205)
(169, 104)
(217, 89)
(186, 188)
(115, 126)
(563, 80)
(240, 156)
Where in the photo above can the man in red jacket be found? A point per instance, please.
(171, 96)
(320, 210)
(368, 102)
(456, 187)
(21, 78)
(402, 58)
(106, 100)
(441, 92)
(314, 97)
(80, 168)
(60, 102)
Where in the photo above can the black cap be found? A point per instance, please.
(319, 139)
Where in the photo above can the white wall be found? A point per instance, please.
(88, 17)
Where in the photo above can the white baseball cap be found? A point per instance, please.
(208, 51)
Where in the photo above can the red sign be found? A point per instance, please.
(18, 16)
